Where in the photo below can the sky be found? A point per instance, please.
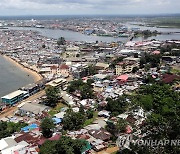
(88, 7)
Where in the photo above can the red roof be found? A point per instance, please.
(31, 139)
(168, 78)
(64, 66)
(156, 52)
(16, 152)
(122, 77)
(84, 78)
(54, 138)
(83, 136)
(53, 67)
(128, 129)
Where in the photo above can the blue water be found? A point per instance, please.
(12, 77)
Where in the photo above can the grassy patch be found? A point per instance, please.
(57, 109)
(175, 71)
(90, 121)
(171, 22)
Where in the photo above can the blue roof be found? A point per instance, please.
(28, 128)
(57, 120)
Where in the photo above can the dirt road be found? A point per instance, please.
(108, 150)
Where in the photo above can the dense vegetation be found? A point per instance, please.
(91, 70)
(168, 49)
(150, 60)
(73, 120)
(76, 120)
(52, 94)
(166, 21)
(8, 128)
(85, 89)
(47, 126)
(65, 145)
(116, 128)
(164, 120)
(117, 106)
(61, 41)
(146, 33)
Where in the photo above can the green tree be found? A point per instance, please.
(86, 92)
(135, 69)
(74, 85)
(90, 81)
(65, 145)
(150, 61)
(121, 125)
(8, 128)
(43, 46)
(85, 89)
(47, 126)
(91, 70)
(73, 120)
(116, 128)
(164, 121)
(146, 101)
(52, 96)
(81, 109)
(89, 113)
(61, 41)
(49, 147)
(117, 106)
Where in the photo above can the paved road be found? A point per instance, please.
(10, 111)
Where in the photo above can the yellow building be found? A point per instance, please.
(126, 67)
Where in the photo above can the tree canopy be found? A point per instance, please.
(117, 106)
(152, 60)
(91, 70)
(65, 145)
(61, 41)
(52, 96)
(73, 120)
(116, 128)
(164, 122)
(7, 128)
(47, 126)
(85, 89)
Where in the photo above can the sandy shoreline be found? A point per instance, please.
(34, 74)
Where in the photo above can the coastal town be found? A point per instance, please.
(98, 93)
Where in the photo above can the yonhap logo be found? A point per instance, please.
(124, 141)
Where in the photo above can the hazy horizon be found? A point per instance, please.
(143, 14)
(88, 7)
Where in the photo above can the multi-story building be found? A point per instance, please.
(125, 67)
(14, 97)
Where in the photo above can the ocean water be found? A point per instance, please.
(12, 77)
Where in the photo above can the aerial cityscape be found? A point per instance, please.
(90, 77)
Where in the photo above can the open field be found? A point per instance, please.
(171, 22)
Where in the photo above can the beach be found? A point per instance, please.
(37, 77)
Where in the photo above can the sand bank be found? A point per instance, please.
(34, 74)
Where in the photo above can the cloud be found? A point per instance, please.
(89, 6)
